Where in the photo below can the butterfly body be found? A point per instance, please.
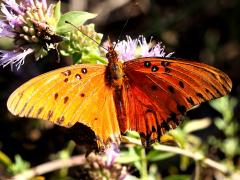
(114, 71)
(148, 95)
(115, 76)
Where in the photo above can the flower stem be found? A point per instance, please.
(194, 155)
(144, 173)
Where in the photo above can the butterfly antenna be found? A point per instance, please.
(85, 34)
(120, 35)
(126, 22)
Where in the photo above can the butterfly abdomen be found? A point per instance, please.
(121, 110)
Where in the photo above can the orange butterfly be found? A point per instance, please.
(148, 95)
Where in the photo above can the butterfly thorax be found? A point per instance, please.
(115, 71)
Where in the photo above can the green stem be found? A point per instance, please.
(144, 173)
(197, 170)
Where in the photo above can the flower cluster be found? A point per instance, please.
(31, 26)
(36, 28)
(133, 48)
(108, 168)
(79, 45)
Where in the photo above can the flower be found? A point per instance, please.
(133, 48)
(31, 26)
(112, 153)
(14, 57)
(106, 168)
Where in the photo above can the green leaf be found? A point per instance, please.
(197, 124)
(126, 158)
(19, 165)
(75, 17)
(64, 53)
(230, 146)
(157, 156)
(76, 57)
(133, 134)
(130, 156)
(179, 136)
(5, 159)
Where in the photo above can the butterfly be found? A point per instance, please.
(149, 95)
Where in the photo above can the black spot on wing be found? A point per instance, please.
(181, 108)
(171, 89)
(40, 110)
(190, 100)
(209, 92)
(167, 70)
(50, 114)
(165, 63)
(165, 126)
(65, 100)
(77, 76)
(84, 70)
(55, 96)
(155, 68)
(66, 80)
(201, 96)
(173, 118)
(147, 64)
(153, 129)
(181, 84)
(66, 73)
(154, 87)
(60, 120)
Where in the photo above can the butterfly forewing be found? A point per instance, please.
(161, 90)
(69, 95)
(182, 78)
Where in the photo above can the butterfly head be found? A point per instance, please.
(112, 55)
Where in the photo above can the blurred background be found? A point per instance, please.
(206, 31)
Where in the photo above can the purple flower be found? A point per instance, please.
(133, 48)
(31, 26)
(14, 57)
(112, 153)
